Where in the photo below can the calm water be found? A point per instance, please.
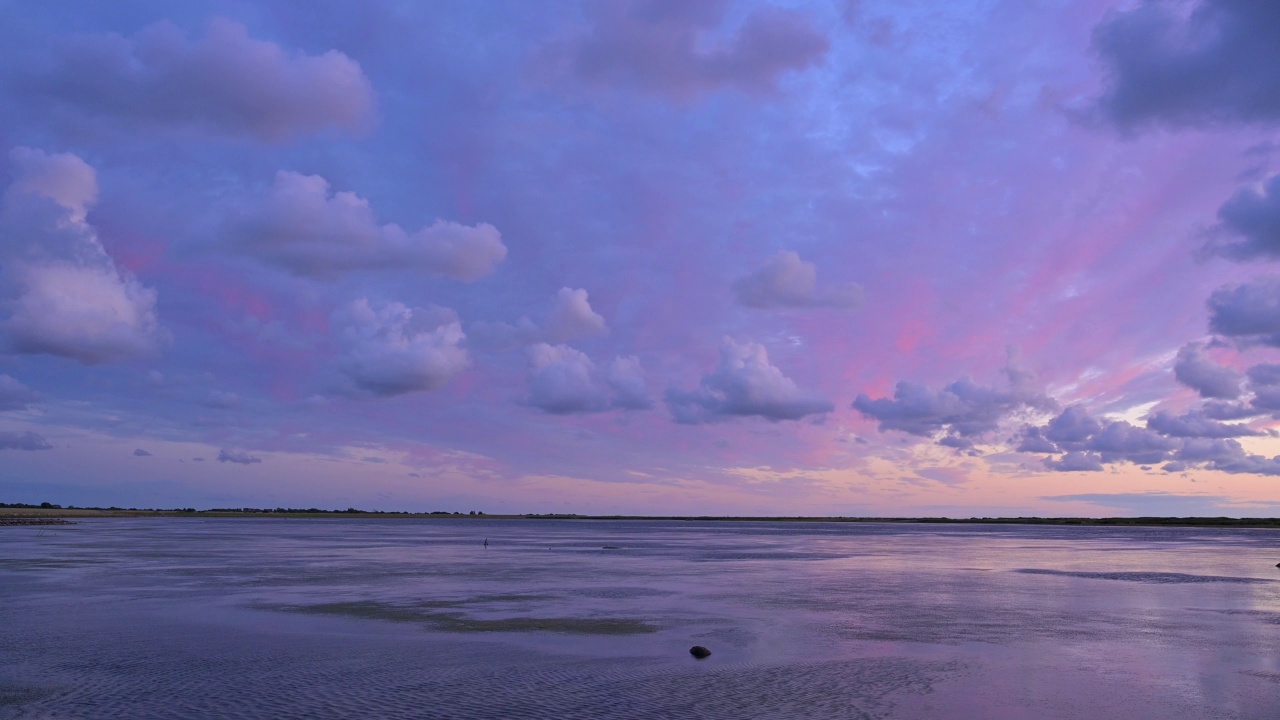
(192, 618)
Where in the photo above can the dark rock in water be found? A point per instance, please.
(610, 547)
(699, 652)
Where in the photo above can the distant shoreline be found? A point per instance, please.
(17, 512)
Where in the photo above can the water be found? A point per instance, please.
(268, 618)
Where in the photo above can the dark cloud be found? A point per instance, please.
(139, 452)
(23, 441)
(1219, 410)
(1192, 440)
(1075, 461)
(1252, 218)
(670, 47)
(240, 457)
(1264, 375)
(396, 349)
(1032, 440)
(963, 408)
(305, 228)
(1196, 424)
(226, 82)
(1248, 312)
(745, 383)
(1121, 441)
(1197, 371)
(14, 395)
(786, 281)
(1073, 425)
(1220, 63)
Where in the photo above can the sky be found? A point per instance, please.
(767, 257)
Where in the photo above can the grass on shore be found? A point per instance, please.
(79, 512)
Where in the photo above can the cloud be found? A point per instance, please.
(1073, 425)
(786, 281)
(1219, 410)
(744, 384)
(562, 380)
(572, 318)
(1196, 424)
(1220, 63)
(1192, 440)
(226, 82)
(62, 293)
(23, 441)
(1247, 312)
(139, 452)
(222, 399)
(14, 395)
(303, 227)
(1075, 461)
(1197, 371)
(395, 349)
(240, 457)
(673, 47)
(626, 379)
(963, 408)
(1252, 216)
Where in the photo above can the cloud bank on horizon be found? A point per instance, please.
(712, 256)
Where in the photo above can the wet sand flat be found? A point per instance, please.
(318, 618)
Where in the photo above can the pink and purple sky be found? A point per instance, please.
(643, 256)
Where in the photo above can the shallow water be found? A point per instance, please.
(272, 618)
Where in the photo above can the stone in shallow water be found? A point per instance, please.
(699, 652)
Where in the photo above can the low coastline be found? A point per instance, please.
(29, 515)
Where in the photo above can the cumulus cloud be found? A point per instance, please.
(626, 379)
(1196, 424)
(745, 383)
(139, 452)
(1218, 63)
(226, 82)
(239, 457)
(963, 409)
(23, 441)
(62, 294)
(1248, 312)
(305, 228)
(674, 47)
(395, 349)
(1192, 440)
(563, 380)
(14, 395)
(1197, 371)
(1075, 461)
(786, 281)
(1252, 218)
(572, 317)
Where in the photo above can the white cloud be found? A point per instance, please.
(308, 230)
(744, 383)
(395, 349)
(572, 317)
(563, 380)
(786, 281)
(14, 395)
(63, 295)
(227, 82)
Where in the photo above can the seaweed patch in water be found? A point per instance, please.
(1160, 578)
